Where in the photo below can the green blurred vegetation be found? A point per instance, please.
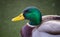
(11, 8)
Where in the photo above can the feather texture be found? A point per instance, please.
(50, 27)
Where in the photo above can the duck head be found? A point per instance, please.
(32, 14)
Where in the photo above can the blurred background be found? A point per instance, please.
(12, 8)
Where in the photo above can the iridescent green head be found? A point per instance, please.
(33, 15)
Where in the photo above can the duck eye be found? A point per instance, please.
(26, 11)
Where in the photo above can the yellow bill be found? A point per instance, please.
(18, 18)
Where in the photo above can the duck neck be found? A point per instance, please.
(35, 22)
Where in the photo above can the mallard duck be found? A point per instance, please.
(35, 21)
